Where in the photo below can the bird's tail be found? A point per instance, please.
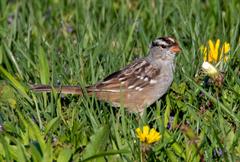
(60, 89)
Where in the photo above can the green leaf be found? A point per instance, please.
(179, 88)
(175, 120)
(175, 146)
(15, 83)
(64, 155)
(229, 139)
(6, 150)
(107, 153)
(167, 112)
(36, 151)
(1, 54)
(43, 66)
(51, 124)
(33, 129)
(98, 143)
(48, 153)
(171, 155)
(20, 152)
(14, 61)
(7, 95)
(191, 152)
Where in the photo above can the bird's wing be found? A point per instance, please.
(134, 77)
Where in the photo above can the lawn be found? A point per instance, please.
(80, 42)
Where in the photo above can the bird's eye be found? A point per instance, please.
(163, 46)
(154, 44)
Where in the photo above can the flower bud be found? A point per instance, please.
(212, 72)
(209, 69)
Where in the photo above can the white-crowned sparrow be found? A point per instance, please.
(136, 86)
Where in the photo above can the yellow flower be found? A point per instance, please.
(203, 49)
(148, 136)
(226, 47)
(211, 53)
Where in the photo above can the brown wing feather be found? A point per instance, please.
(133, 74)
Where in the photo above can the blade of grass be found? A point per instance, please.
(12, 57)
(107, 153)
(16, 84)
(43, 66)
(64, 155)
(167, 112)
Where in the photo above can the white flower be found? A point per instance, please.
(209, 69)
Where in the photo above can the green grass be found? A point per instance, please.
(78, 43)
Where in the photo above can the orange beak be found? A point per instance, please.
(175, 49)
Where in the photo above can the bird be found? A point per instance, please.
(136, 86)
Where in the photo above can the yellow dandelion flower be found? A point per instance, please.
(148, 135)
(213, 50)
(203, 49)
(226, 47)
(153, 136)
(213, 53)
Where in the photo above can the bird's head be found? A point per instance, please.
(164, 48)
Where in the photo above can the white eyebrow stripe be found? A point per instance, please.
(171, 39)
(160, 42)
